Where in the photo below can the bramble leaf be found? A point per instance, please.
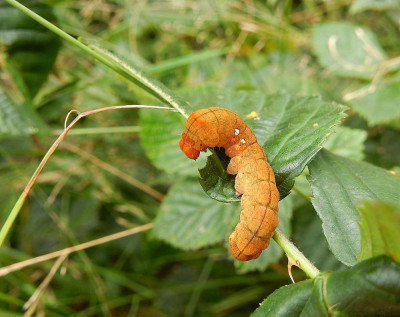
(379, 228)
(339, 185)
(370, 288)
(347, 50)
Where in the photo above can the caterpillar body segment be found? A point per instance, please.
(255, 180)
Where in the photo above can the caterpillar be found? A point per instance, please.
(255, 180)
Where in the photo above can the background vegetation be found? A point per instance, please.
(122, 169)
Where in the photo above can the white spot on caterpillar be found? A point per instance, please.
(243, 141)
(237, 131)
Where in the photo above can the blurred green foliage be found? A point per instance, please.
(345, 51)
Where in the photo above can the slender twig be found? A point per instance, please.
(18, 205)
(295, 256)
(100, 130)
(31, 304)
(97, 283)
(20, 265)
(115, 171)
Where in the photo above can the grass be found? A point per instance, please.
(101, 187)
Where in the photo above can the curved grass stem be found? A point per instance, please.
(67, 251)
(18, 205)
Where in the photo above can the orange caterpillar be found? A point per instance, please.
(218, 127)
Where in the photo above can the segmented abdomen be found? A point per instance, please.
(255, 180)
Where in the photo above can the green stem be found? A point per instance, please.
(100, 130)
(18, 205)
(155, 88)
(295, 256)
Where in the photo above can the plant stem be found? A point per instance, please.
(294, 254)
(67, 251)
(155, 88)
(100, 130)
(18, 205)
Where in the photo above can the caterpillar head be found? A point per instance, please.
(191, 147)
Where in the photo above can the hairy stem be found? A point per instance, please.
(295, 255)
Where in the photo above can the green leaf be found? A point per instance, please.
(338, 185)
(347, 142)
(215, 181)
(380, 106)
(343, 141)
(274, 73)
(370, 288)
(377, 5)
(291, 130)
(188, 219)
(379, 228)
(288, 301)
(16, 119)
(347, 50)
(30, 49)
(274, 252)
